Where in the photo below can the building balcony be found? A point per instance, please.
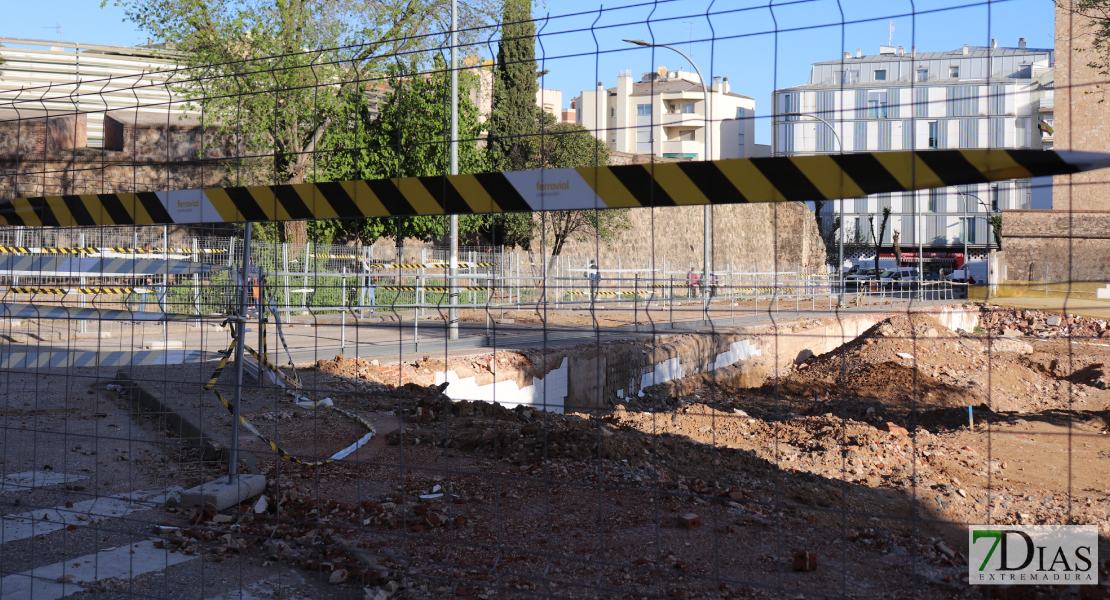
(683, 148)
(682, 120)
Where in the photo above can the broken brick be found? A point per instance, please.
(805, 561)
(895, 429)
(690, 521)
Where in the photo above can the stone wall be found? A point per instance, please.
(1069, 242)
(1080, 111)
(47, 155)
(1056, 244)
(751, 237)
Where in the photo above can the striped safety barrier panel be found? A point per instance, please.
(433, 265)
(729, 181)
(65, 291)
(409, 288)
(94, 250)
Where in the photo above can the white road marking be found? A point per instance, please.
(46, 520)
(123, 562)
(33, 479)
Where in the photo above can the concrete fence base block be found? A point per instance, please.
(94, 335)
(167, 345)
(221, 494)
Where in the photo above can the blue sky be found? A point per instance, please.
(732, 38)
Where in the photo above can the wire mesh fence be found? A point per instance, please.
(242, 360)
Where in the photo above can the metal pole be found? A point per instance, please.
(240, 341)
(452, 284)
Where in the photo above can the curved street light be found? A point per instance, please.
(839, 238)
(706, 155)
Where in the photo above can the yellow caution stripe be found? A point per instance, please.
(731, 181)
(94, 250)
(65, 291)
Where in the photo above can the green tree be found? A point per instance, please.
(409, 138)
(513, 121)
(277, 73)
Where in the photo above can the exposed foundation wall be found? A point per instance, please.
(592, 377)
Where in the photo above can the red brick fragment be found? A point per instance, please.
(690, 521)
(895, 429)
(805, 561)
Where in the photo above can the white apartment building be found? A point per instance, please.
(971, 97)
(664, 114)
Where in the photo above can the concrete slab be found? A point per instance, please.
(19, 338)
(167, 345)
(221, 494)
(33, 479)
(504, 321)
(94, 335)
(79, 574)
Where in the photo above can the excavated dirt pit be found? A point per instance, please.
(862, 457)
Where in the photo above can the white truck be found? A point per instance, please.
(976, 271)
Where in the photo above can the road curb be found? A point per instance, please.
(183, 422)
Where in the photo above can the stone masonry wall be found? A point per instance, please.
(751, 237)
(1061, 246)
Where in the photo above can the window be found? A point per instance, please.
(790, 105)
(741, 112)
(848, 77)
(953, 72)
(612, 112)
(685, 135)
(876, 105)
(969, 133)
(923, 74)
(921, 102)
(963, 100)
(969, 225)
(859, 141)
(936, 199)
(643, 109)
(934, 135)
(880, 75)
(688, 108)
(885, 128)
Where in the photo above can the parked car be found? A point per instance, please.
(862, 275)
(898, 278)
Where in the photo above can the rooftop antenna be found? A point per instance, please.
(890, 40)
(690, 25)
(58, 29)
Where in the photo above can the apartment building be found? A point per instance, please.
(664, 114)
(970, 97)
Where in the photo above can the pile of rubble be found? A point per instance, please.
(1000, 320)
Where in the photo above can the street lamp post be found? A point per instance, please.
(840, 237)
(967, 228)
(453, 261)
(707, 255)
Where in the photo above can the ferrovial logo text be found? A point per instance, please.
(188, 203)
(547, 188)
(1033, 555)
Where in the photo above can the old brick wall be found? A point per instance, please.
(1069, 242)
(1056, 244)
(48, 155)
(1081, 112)
(751, 237)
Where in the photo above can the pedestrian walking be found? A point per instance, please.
(692, 283)
(593, 275)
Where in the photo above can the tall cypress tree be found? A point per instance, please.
(514, 93)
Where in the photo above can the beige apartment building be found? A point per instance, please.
(664, 114)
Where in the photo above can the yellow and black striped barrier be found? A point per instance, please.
(94, 250)
(731, 181)
(432, 265)
(326, 404)
(410, 288)
(66, 291)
